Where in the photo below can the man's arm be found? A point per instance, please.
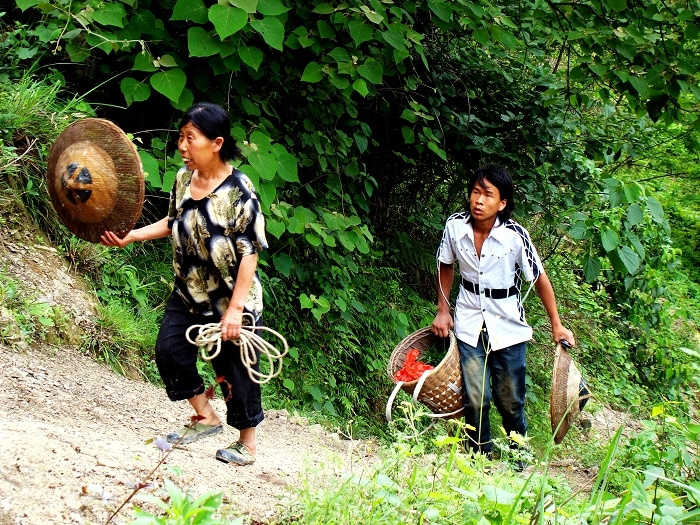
(443, 322)
(546, 293)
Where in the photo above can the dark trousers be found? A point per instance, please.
(497, 375)
(176, 359)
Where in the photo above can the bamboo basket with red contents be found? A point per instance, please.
(440, 389)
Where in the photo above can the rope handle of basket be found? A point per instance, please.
(208, 339)
(416, 393)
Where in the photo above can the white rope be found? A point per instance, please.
(250, 343)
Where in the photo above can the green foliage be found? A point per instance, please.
(178, 508)
(22, 318)
(408, 486)
(652, 477)
(338, 364)
(440, 86)
(32, 115)
(123, 340)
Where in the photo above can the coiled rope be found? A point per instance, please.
(250, 343)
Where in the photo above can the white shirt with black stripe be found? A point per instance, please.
(507, 258)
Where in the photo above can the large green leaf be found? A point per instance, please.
(185, 101)
(271, 7)
(313, 239)
(361, 87)
(151, 170)
(134, 91)
(632, 192)
(610, 239)
(591, 268)
(77, 52)
(287, 167)
(441, 9)
(110, 14)
(394, 39)
(360, 32)
(283, 263)
(249, 6)
(144, 21)
(275, 227)
(192, 10)
(227, 20)
(251, 56)
(26, 4)
(656, 210)
(618, 5)
(143, 62)
(267, 192)
(201, 43)
(264, 163)
(635, 214)
(272, 31)
(170, 83)
(629, 258)
(312, 73)
(640, 85)
(372, 70)
(578, 230)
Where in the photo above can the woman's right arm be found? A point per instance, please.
(157, 230)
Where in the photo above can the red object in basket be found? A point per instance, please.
(412, 368)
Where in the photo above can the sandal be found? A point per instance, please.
(236, 453)
(192, 433)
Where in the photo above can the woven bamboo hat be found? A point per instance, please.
(569, 393)
(95, 179)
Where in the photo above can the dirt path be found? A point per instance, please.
(74, 433)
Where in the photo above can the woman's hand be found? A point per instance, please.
(111, 239)
(231, 323)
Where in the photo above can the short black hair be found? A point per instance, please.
(213, 121)
(499, 177)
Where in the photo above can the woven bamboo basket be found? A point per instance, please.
(441, 388)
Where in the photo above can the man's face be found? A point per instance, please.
(485, 201)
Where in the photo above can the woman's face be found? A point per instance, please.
(197, 150)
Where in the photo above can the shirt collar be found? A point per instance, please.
(498, 233)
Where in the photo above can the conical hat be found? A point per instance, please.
(95, 179)
(569, 394)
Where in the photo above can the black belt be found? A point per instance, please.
(492, 293)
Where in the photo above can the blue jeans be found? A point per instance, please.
(492, 374)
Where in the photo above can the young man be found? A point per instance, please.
(494, 254)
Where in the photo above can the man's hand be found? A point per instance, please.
(560, 333)
(442, 324)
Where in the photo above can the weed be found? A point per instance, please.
(122, 339)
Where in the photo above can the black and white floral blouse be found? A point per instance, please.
(210, 236)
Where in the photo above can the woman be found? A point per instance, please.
(217, 230)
